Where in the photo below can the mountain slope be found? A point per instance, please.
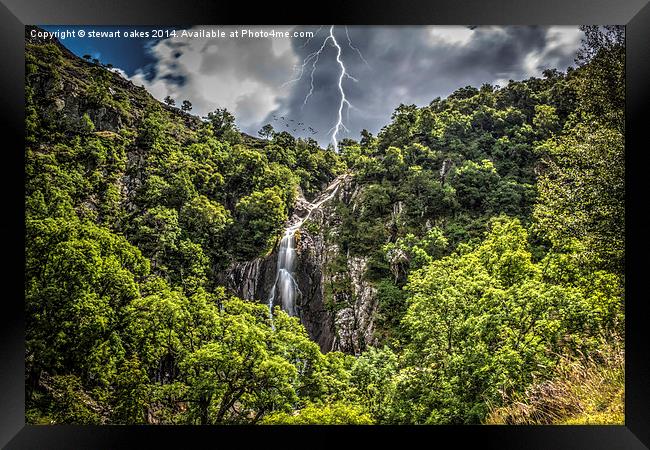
(434, 283)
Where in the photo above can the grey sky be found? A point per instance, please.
(405, 64)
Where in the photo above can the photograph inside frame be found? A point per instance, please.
(302, 225)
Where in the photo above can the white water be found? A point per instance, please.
(285, 285)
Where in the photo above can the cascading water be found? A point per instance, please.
(285, 285)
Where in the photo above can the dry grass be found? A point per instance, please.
(582, 391)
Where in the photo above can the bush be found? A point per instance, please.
(316, 414)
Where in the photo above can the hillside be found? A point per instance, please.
(432, 273)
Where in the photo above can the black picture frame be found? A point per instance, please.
(15, 14)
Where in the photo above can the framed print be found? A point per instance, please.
(415, 220)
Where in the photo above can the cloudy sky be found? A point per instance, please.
(262, 79)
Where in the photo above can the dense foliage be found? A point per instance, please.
(125, 230)
(493, 222)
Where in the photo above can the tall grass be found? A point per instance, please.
(583, 390)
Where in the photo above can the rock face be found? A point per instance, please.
(354, 323)
(253, 280)
(347, 327)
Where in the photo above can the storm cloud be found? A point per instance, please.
(242, 75)
(396, 64)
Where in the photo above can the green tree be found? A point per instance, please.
(484, 322)
(157, 233)
(546, 120)
(205, 222)
(260, 217)
(266, 131)
(284, 139)
(426, 198)
(601, 86)
(474, 182)
(80, 277)
(236, 378)
(582, 194)
(186, 106)
(373, 376)
(221, 121)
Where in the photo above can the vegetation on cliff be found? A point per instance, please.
(492, 220)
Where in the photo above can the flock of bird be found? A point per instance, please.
(293, 125)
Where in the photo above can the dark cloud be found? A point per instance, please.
(241, 75)
(398, 64)
(417, 64)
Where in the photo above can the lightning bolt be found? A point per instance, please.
(313, 59)
(311, 37)
(354, 48)
(313, 69)
(344, 101)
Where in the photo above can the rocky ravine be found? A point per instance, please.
(349, 328)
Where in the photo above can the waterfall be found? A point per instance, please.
(285, 285)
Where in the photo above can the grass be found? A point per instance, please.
(583, 391)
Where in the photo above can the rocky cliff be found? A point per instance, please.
(348, 326)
